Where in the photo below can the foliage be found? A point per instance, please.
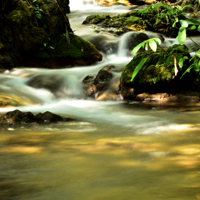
(57, 48)
(186, 24)
(160, 12)
(37, 10)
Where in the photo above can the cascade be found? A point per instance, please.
(82, 4)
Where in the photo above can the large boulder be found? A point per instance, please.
(38, 31)
(157, 75)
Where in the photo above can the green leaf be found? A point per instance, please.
(136, 49)
(198, 28)
(45, 44)
(138, 68)
(181, 61)
(192, 27)
(187, 70)
(174, 24)
(153, 44)
(184, 23)
(38, 15)
(168, 59)
(196, 65)
(182, 35)
(192, 21)
(158, 41)
(197, 54)
(146, 46)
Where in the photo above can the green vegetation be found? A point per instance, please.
(157, 17)
(57, 48)
(151, 67)
(171, 55)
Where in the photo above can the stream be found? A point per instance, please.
(115, 150)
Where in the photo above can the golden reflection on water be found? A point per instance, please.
(103, 163)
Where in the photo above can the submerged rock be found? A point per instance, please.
(17, 118)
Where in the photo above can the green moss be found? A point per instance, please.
(156, 69)
(79, 48)
(156, 17)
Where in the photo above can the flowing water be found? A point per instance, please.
(116, 150)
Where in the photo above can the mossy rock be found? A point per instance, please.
(79, 52)
(34, 36)
(95, 19)
(157, 17)
(156, 75)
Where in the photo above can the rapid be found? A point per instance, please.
(115, 150)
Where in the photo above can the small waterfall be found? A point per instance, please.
(123, 44)
(82, 4)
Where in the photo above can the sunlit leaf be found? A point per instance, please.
(197, 54)
(184, 23)
(136, 49)
(158, 41)
(152, 44)
(182, 35)
(146, 46)
(138, 68)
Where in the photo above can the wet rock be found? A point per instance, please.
(52, 83)
(104, 85)
(107, 45)
(48, 117)
(17, 118)
(157, 76)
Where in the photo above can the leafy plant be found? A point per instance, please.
(37, 10)
(162, 11)
(186, 24)
(152, 43)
